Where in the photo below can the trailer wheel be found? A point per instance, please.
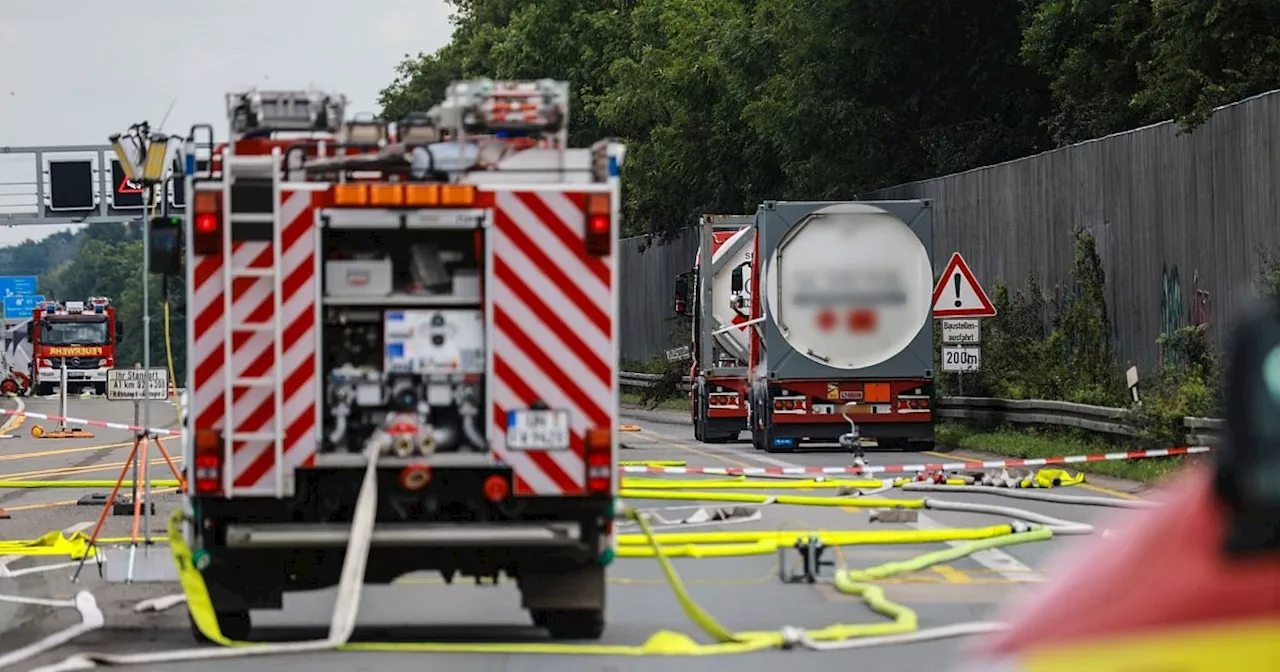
(571, 623)
(235, 625)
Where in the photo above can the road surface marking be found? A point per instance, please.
(42, 474)
(62, 451)
(16, 421)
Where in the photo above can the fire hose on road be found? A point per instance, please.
(902, 625)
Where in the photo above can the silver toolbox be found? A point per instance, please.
(362, 277)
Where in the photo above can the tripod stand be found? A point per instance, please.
(140, 440)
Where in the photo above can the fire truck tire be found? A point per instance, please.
(720, 438)
(235, 625)
(571, 623)
(43, 389)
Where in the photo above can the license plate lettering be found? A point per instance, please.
(537, 430)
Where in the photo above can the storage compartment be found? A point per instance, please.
(403, 264)
(360, 277)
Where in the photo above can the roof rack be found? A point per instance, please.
(255, 111)
(507, 109)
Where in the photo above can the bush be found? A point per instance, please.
(1033, 350)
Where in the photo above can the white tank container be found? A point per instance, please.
(850, 288)
(737, 340)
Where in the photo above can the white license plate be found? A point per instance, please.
(537, 430)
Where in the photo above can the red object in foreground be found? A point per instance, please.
(1161, 569)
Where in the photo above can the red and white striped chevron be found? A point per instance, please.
(253, 466)
(552, 336)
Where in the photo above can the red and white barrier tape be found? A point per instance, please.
(91, 423)
(916, 468)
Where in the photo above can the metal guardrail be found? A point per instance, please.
(1101, 419)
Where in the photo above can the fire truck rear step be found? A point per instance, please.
(336, 535)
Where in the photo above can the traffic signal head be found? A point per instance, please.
(164, 245)
(1248, 462)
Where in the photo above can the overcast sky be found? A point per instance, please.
(63, 82)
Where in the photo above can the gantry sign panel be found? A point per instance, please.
(74, 184)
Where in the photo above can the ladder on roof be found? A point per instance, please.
(253, 167)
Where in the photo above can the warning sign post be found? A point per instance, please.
(957, 300)
(958, 293)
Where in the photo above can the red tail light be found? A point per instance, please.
(599, 234)
(789, 405)
(208, 462)
(599, 462)
(777, 405)
(496, 488)
(206, 234)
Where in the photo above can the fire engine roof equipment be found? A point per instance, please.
(255, 111)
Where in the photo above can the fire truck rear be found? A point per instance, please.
(78, 335)
(437, 295)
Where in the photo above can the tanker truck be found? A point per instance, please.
(719, 347)
(837, 296)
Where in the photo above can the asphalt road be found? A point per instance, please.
(743, 592)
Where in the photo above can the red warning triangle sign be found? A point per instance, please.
(127, 187)
(958, 293)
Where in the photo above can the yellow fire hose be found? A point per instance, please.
(664, 642)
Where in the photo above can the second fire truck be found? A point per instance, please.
(80, 335)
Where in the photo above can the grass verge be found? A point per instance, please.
(680, 404)
(1027, 443)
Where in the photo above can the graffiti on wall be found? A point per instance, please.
(1171, 307)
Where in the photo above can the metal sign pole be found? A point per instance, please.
(146, 356)
(62, 424)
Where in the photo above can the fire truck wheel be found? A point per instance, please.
(571, 623)
(43, 389)
(235, 625)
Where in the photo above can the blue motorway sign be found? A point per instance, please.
(17, 285)
(20, 306)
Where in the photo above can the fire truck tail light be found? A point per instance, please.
(386, 195)
(457, 195)
(350, 194)
(599, 234)
(496, 488)
(599, 461)
(208, 462)
(206, 239)
(422, 195)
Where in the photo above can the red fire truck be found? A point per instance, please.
(719, 348)
(436, 298)
(80, 335)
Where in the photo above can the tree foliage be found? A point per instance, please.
(724, 103)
